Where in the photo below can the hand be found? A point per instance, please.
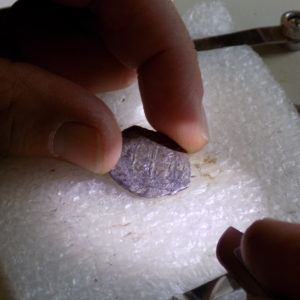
(271, 252)
(68, 50)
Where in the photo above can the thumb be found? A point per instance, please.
(271, 252)
(42, 114)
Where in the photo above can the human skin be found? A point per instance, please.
(47, 102)
(271, 252)
(48, 107)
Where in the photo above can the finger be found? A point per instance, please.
(42, 114)
(81, 59)
(59, 40)
(270, 250)
(150, 37)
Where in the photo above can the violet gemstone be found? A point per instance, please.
(151, 164)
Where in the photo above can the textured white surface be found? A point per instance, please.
(69, 234)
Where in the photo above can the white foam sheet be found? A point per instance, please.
(69, 234)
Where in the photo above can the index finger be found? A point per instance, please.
(150, 37)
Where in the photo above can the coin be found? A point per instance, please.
(151, 164)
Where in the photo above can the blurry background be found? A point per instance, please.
(284, 65)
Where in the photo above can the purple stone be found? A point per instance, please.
(151, 164)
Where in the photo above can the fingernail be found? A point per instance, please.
(78, 144)
(204, 124)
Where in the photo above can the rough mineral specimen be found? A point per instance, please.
(151, 164)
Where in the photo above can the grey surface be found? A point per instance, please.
(151, 165)
(283, 64)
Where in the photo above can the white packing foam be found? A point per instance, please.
(69, 234)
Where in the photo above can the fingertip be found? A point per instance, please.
(78, 144)
(189, 136)
(193, 136)
(270, 250)
(86, 147)
(190, 133)
(111, 152)
(255, 236)
(254, 243)
(172, 98)
(56, 118)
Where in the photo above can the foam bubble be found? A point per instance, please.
(69, 234)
